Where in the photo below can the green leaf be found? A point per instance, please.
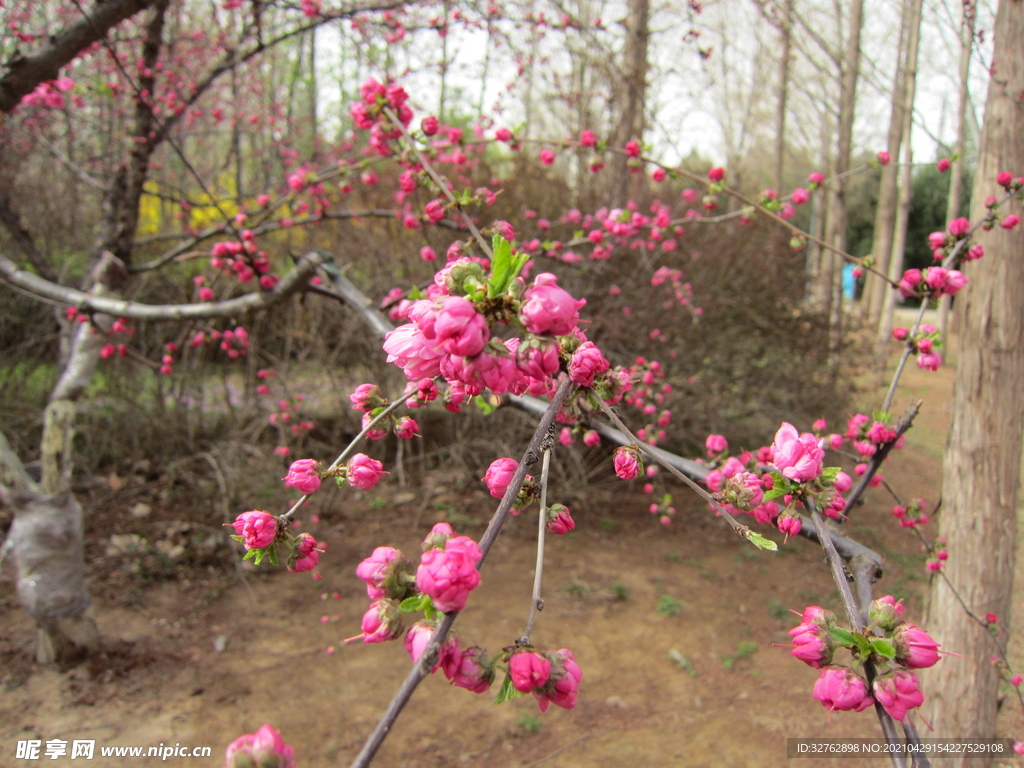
(843, 637)
(830, 473)
(250, 554)
(507, 691)
(272, 550)
(415, 603)
(775, 492)
(883, 647)
(761, 542)
(486, 407)
(504, 266)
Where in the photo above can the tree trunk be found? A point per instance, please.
(885, 214)
(785, 42)
(957, 176)
(836, 217)
(899, 242)
(981, 472)
(632, 97)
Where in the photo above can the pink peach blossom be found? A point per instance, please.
(363, 472)
(304, 476)
(257, 528)
(263, 749)
(448, 575)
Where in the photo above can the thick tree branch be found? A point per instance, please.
(45, 289)
(24, 73)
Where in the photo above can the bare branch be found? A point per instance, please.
(24, 73)
(45, 289)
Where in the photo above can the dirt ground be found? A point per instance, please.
(201, 657)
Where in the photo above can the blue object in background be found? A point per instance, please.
(849, 282)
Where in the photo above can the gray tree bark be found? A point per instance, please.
(981, 472)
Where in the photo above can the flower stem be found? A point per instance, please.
(536, 603)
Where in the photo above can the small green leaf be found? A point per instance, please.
(843, 637)
(250, 554)
(485, 406)
(507, 691)
(761, 542)
(883, 647)
(272, 551)
(775, 492)
(415, 603)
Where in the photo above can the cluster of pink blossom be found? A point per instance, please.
(937, 556)
(868, 435)
(932, 283)
(791, 468)
(499, 476)
(446, 575)
(893, 645)
(50, 94)
(924, 343)
(368, 114)
(552, 677)
(287, 413)
(911, 515)
(648, 395)
(368, 399)
(241, 259)
(451, 334)
(260, 533)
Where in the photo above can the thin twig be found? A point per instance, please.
(737, 526)
(351, 446)
(484, 245)
(880, 455)
(426, 662)
(536, 603)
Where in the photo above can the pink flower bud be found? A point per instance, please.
(1009, 222)
(959, 227)
(366, 397)
(429, 125)
(914, 648)
(588, 139)
(586, 364)
(546, 308)
(591, 438)
(460, 330)
(304, 476)
(929, 361)
(886, 612)
(883, 158)
(898, 692)
(789, 525)
(715, 444)
(801, 195)
(627, 462)
(843, 482)
(632, 148)
(387, 573)
(437, 537)
(363, 472)
(528, 670)
(499, 475)
(406, 428)
(943, 165)
(816, 178)
(559, 520)
(900, 334)
(434, 210)
(716, 174)
(448, 575)
(840, 689)
(306, 556)
(547, 157)
(257, 528)
(562, 687)
(813, 644)
(263, 749)
(475, 671)
(820, 425)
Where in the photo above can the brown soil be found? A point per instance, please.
(161, 680)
